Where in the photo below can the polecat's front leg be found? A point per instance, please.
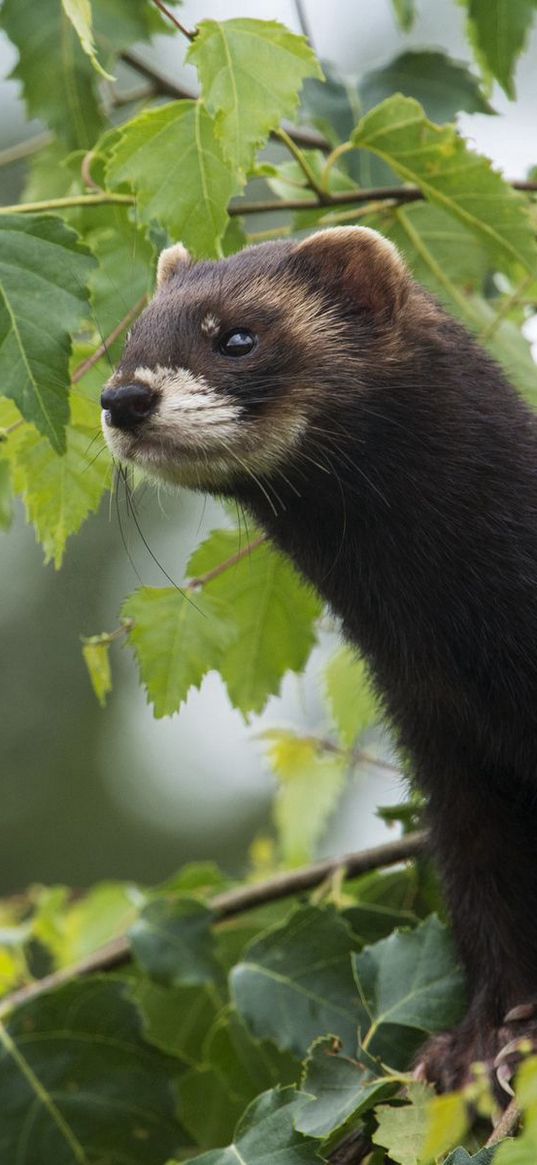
(484, 834)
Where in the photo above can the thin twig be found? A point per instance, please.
(506, 1125)
(232, 902)
(25, 149)
(303, 21)
(162, 7)
(131, 315)
(73, 200)
(303, 162)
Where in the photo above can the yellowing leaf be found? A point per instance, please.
(97, 659)
(251, 72)
(172, 158)
(402, 1130)
(451, 175)
(351, 699)
(447, 1122)
(80, 15)
(60, 491)
(311, 784)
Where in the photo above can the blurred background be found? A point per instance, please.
(90, 793)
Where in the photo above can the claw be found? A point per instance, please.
(420, 1073)
(503, 1076)
(521, 1011)
(508, 1049)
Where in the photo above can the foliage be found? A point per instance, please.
(279, 1030)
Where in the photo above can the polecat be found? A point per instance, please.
(387, 455)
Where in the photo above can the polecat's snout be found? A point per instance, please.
(127, 405)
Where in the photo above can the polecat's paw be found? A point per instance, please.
(517, 1037)
(446, 1060)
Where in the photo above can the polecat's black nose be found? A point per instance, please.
(127, 405)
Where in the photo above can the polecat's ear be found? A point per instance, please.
(361, 263)
(169, 261)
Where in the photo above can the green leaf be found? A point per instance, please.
(411, 979)
(80, 15)
(172, 158)
(6, 508)
(402, 1130)
(484, 1157)
(499, 31)
(176, 641)
(251, 72)
(295, 982)
(443, 86)
(64, 93)
(95, 652)
(43, 297)
(125, 268)
(267, 1133)
(270, 611)
(60, 1105)
(405, 11)
(120, 23)
(444, 255)
(173, 942)
(236, 1069)
(451, 175)
(310, 786)
(176, 1019)
(351, 700)
(60, 492)
(341, 1088)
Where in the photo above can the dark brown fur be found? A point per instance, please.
(410, 503)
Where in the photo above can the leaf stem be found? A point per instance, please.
(196, 584)
(103, 199)
(302, 160)
(165, 11)
(232, 902)
(332, 158)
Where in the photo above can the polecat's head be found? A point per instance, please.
(233, 361)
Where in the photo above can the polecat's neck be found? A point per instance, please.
(416, 526)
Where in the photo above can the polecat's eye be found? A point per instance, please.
(239, 342)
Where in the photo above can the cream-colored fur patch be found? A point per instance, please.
(210, 324)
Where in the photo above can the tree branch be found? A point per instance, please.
(506, 1125)
(232, 902)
